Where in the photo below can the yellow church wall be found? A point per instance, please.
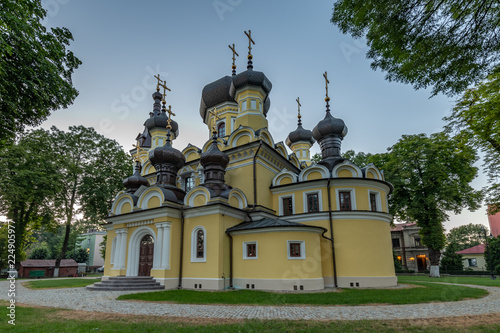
(286, 180)
(373, 258)
(250, 119)
(345, 173)
(314, 175)
(126, 208)
(273, 262)
(370, 175)
(107, 259)
(174, 241)
(241, 178)
(154, 202)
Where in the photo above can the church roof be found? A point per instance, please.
(269, 223)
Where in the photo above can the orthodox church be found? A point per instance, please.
(239, 211)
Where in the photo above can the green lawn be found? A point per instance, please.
(424, 292)
(479, 281)
(46, 320)
(59, 283)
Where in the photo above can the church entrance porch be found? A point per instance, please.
(146, 253)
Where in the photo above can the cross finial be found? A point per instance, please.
(170, 114)
(138, 148)
(250, 42)
(159, 80)
(327, 99)
(215, 117)
(164, 86)
(298, 107)
(234, 58)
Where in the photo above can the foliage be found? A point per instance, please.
(451, 260)
(316, 158)
(40, 253)
(398, 267)
(54, 175)
(466, 236)
(35, 67)
(431, 177)
(492, 253)
(446, 45)
(4, 246)
(102, 246)
(29, 182)
(360, 159)
(79, 255)
(475, 118)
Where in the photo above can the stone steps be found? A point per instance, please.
(127, 283)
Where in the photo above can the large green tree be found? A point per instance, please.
(59, 176)
(452, 261)
(446, 44)
(466, 236)
(29, 181)
(492, 255)
(476, 117)
(92, 168)
(431, 177)
(35, 67)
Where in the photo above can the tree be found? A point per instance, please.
(54, 175)
(102, 246)
(92, 169)
(475, 118)
(492, 255)
(452, 261)
(360, 159)
(446, 45)
(35, 68)
(29, 182)
(466, 236)
(79, 255)
(431, 176)
(40, 253)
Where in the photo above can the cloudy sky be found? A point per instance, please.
(122, 44)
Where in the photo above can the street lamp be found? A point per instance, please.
(490, 257)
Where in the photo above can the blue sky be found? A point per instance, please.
(123, 43)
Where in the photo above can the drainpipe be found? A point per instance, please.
(179, 285)
(255, 176)
(230, 260)
(331, 233)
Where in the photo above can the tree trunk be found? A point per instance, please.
(434, 257)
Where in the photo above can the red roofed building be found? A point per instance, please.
(69, 267)
(474, 258)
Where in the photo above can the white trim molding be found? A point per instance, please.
(320, 200)
(352, 195)
(245, 253)
(194, 243)
(302, 249)
(134, 245)
(281, 197)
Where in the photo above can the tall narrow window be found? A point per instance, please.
(312, 203)
(345, 200)
(373, 201)
(221, 130)
(200, 244)
(188, 183)
(287, 206)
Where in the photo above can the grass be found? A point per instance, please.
(59, 283)
(41, 320)
(425, 292)
(479, 281)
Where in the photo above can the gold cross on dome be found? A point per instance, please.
(298, 104)
(170, 114)
(215, 117)
(234, 53)
(326, 83)
(250, 41)
(159, 80)
(165, 88)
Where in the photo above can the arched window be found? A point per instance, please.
(221, 130)
(198, 245)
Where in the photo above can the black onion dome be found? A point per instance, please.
(160, 121)
(215, 93)
(135, 181)
(253, 78)
(167, 155)
(214, 156)
(300, 134)
(330, 126)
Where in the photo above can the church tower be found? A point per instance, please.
(301, 140)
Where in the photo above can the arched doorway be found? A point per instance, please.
(146, 252)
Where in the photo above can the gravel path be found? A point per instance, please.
(105, 301)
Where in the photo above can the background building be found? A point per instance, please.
(406, 244)
(91, 242)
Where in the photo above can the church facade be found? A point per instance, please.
(240, 211)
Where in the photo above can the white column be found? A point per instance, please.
(122, 254)
(158, 247)
(165, 255)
